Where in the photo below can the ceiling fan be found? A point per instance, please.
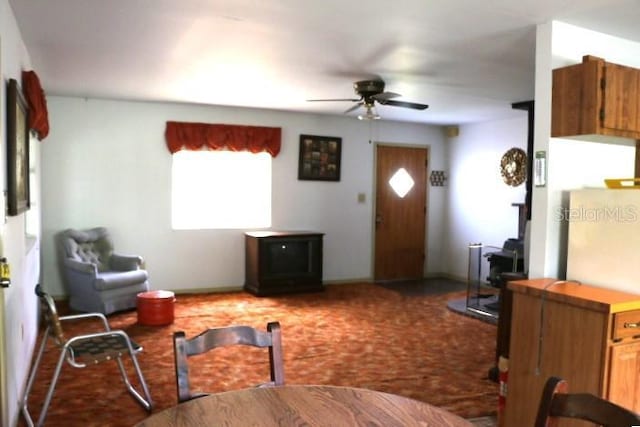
(372, 91)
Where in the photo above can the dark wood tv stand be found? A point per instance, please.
(278, 262)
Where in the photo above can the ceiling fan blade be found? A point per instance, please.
(358, 105)
(385, 95)
(404, 104)
(340, 99)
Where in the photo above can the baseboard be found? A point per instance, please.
(347, 281)
(239, 288)
(216, 290)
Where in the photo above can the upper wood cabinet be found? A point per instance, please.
(596, 98)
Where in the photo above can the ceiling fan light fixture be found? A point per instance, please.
(371, 114)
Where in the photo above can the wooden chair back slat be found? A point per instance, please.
(222, 337)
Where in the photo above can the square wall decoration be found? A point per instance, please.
(319, 158)
(438, 178)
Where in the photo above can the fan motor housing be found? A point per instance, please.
(368, 88)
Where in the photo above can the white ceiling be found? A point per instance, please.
(468, 59)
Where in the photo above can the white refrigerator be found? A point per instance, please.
(603, 247)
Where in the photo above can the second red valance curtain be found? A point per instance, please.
(38, 113)
(197, 136)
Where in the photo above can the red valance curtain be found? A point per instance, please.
(38, 113)
(197, 136)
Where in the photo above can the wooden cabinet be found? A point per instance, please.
(279, 262)
(596, 98)
(623, 380)
(585, 334)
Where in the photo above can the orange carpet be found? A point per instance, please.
(359, 335)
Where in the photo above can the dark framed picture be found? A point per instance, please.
(319, 158)
(17, 150)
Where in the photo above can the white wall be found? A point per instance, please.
(572, 164)
(20, 305)
(479, 208)
(106, 163)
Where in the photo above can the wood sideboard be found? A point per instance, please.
(588, 335)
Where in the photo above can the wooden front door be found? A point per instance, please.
(400, 221)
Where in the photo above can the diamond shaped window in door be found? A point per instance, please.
(401, 182)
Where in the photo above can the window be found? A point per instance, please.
(221, 189)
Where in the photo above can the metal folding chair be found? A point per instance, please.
(80, 351)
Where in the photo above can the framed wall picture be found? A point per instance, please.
(319, 158)
(17, 151)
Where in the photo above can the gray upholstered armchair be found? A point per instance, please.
(96, 278)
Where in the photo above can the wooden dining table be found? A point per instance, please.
(303, 405)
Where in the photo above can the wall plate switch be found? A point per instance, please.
(540, 169)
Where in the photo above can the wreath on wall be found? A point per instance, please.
(513, 166)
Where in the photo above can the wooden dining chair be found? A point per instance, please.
(557, 403)
(222, 337)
